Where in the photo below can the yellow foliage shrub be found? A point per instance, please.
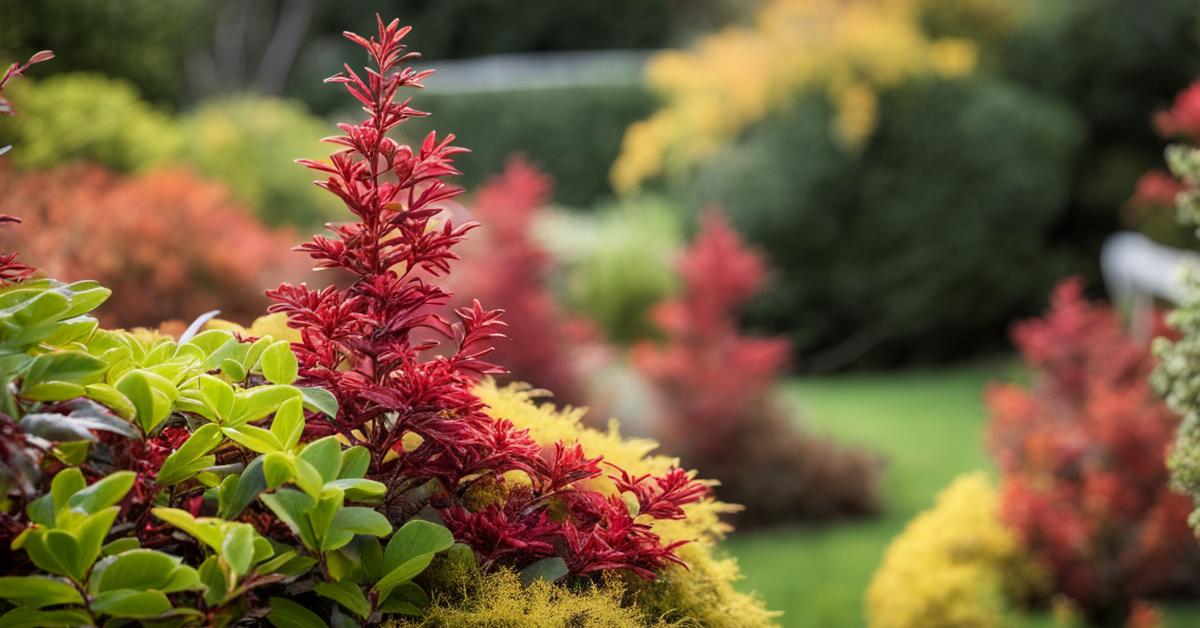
(701, 595)
(849, 49)
(954, 566)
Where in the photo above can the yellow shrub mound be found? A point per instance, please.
(954, 566)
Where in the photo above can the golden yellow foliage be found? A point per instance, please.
(849, 49)
(701, 595)
(955, 565)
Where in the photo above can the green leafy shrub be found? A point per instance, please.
(572, 133)
(618, 263)
(225, 136)
(143, 42)
(906, 250)
(1104, 60)
(88, 117)
(115, 441)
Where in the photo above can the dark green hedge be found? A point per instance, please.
(573, 133)
(920, 247)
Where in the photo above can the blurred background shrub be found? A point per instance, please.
(716, 390)
(250, 144)
(617, 262)
(504, 266)
(88, 117)
(955, 564)
(906, 249)
(1081, 453)
(170, 246)
(572, 132)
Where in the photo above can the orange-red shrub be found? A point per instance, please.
(1082, 454)
(169, 245)
(715, 387)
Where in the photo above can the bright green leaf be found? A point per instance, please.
(279, 363)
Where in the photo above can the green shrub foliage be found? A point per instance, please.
(909, 249)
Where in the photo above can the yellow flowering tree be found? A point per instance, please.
(848, 49)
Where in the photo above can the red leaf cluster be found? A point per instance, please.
(504, 265)
(715, 388)
(401, 397)
(1181, 121)
(169, 245)
(1081, 451)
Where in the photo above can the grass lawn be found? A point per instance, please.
(929, 423)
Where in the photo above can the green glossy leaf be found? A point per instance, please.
(218, 396)
(359, 489)
(292, 507)
(279, 364)
(64, 366)
(308, 478)
(182, 463)
(254, 438)
(237, 548)
(258, 402)
(203, 529)
(277, 469)
(404, 573)
(212, 576)
(250, 483)
(414, 538)
(128, 603)
(212, 340)
(152, 396)
(54, 391)
(320, 400)
(103, 493)
(355, 462)
(288, 614)
(119, 546)
(347, 594)
(548, 569)
(357, 520)
(54, 551)
(139, 569)
(90, 535)
(288, 424)
(30, 618)
(325, 455)
(37, 591)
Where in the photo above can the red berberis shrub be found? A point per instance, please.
(504, 265)
(1081, 451)
(411, 404)
(716, 386)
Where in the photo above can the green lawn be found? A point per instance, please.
(930, 426)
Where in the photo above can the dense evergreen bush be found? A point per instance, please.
(573, 133)
(930, 239)
(88, 117)
(225, 136)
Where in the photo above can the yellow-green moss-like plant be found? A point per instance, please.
(702, 594)
(953, 565)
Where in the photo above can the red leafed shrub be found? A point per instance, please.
(169, 245)
(1157, 189)
(715, 387)
(1082, 454)
(503, 265)
(412, 406)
